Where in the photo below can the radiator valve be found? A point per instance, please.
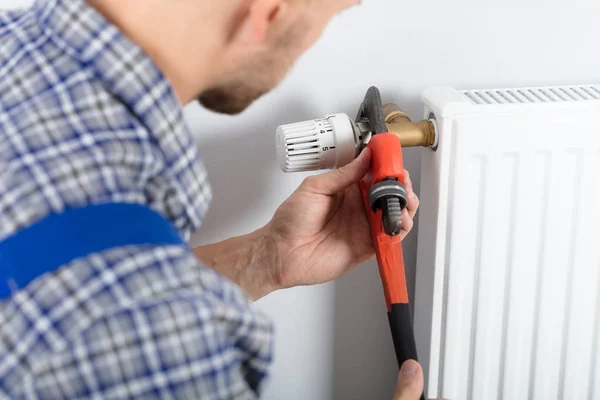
(334, 141)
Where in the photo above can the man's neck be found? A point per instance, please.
(156, 34)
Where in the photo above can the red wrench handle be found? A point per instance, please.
(386, 163)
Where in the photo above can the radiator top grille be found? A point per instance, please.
(533, 95)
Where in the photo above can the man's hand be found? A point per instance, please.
(410, 382)
(317, 235)
(322, 231)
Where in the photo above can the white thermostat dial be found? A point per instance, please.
(325, 143)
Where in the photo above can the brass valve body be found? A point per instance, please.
(411, 134)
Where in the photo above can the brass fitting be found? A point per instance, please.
(411, 134)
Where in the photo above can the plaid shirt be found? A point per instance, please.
(87, 118)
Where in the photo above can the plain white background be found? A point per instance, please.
(333, 340)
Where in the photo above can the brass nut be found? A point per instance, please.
(411, 134)
(394, 114)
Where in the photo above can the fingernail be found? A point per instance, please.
(410, 367)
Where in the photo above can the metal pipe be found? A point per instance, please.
(411, 134)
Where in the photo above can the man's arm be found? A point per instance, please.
(250, 261)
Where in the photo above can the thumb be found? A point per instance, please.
(340, 179)
(410, 382)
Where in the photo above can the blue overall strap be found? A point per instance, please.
(61, 238)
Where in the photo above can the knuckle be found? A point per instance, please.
(338, 173)
(407, 221)
(409, 224)
(415, 200)
(311, 182)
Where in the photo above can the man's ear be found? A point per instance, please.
(258, 18)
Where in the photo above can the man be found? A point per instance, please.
(101, 185)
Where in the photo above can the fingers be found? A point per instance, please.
(338, 180)
(411, 208)
(413, 199)
(407, 221)
(410, 382)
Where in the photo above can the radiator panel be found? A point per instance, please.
(508, 282)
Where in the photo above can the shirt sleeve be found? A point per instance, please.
(181, 346)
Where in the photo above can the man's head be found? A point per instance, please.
(266, 38)
(225, 53)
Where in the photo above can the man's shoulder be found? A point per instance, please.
(61, 130)
(18, 28)
(9, 18)
(32, 66)
(45, 90)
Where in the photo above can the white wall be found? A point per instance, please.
(333, 340)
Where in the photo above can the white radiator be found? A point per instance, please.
(508, 274)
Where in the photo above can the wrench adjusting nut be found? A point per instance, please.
(389, 196)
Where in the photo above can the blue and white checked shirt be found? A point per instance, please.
(87, 118)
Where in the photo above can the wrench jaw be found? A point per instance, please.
(371, 112)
